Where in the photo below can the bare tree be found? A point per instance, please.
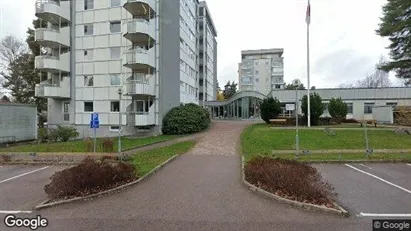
(10, 49)
(377, 79)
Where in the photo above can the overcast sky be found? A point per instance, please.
(344, 46)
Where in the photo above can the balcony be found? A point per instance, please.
(144, 119)
(140, 59)
(53, 64)
(53, 38)
(139, 87)
(58, 91)
(140, 31)
(140, 7)
(53, 10)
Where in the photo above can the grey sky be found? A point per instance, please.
(344, 46)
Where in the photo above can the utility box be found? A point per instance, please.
(383, 114)
(18, 122)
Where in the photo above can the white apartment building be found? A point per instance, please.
(261, 70)
(208, 55)
(131, 58)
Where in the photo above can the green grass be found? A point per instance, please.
(146, 161)
(80, 145)
(261, 139)
(348, 157)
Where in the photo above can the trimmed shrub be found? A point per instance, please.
(290, 179)
(186, 119)
(90, 176)
(65, 133)
(337, 109)
(270, 108)
(52, 135)
(316, 107)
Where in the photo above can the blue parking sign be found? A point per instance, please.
(94, 117)
(94, 124)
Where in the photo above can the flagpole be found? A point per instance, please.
(308, 65)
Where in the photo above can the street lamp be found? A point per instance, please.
(120, 94)
(296, 83)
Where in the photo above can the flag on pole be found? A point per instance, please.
(308, 14)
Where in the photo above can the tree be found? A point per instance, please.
(377, 79)
(220, 96)
(270, 108)
(10, 49)
(337, 108)
(229, 90)
(395, 24)
(316, 107)
(292, 87)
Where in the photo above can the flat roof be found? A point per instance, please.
(263, 51)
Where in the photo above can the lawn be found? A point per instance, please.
(146, 161)
(347, 157)
(261, 139)
(80, 145)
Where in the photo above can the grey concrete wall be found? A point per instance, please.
(18, 122)
(169, 57)
(55, 112)
(73, 62)
(215, 70)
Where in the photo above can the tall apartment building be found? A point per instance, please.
(208, 55)
(261, 70)
(131, 58)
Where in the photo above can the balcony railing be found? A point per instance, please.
(53, 7)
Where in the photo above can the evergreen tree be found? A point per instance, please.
(316, 107)
(395, 24)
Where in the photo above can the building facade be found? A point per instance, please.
(121, 58)
(261, 70)
(361, 102)
(208, 55)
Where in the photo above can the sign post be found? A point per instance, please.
(94, 123)
(296, 83)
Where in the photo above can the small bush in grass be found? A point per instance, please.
(186, 119)
(52, 135)
(90, 176)
(107, 145)
(290, 179)
(42, 135)
(338, 109)
(65, 133)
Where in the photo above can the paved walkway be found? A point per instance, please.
(201, 190)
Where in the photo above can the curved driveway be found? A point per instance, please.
(200, 190)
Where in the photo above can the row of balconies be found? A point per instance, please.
(138, 31)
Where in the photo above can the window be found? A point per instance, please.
(115, 52)
(88, 81)
(88, 29)
(277, 69)
(256, 72)
(88, 4)
(277, 86)
(66, 111)
(349, 108)
(256, 63)
(115, 27)
(257, 80)
(115, 3)
(115, 106)
(368, 108)
(114, 128)
(115, 80)
(140, 106)
(391, 104)
(88, 106)
(88, 55)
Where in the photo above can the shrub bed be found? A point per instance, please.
(289, 179)
(186, 119)
(90, 176)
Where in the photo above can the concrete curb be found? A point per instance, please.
(354, 161)
(343, 151)
(46, 204)
(339, 211)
